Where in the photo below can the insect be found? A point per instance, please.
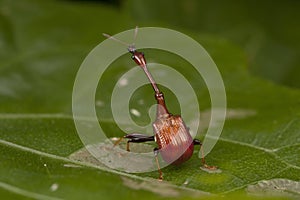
(175, 143)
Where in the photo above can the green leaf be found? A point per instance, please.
(42, 46)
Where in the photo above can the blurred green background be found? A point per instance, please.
(268, 31)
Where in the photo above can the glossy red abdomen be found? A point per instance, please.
(173, 138)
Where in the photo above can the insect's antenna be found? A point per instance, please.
(115, 39)
(135, 34)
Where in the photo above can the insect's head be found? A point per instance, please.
(138, 57)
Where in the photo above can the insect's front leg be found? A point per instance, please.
(135, 138)
(198, 142)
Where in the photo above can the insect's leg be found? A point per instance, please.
(156, 151)
(198, 142)
(118, 141)
(137, 138)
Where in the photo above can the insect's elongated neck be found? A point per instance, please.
(148, 74)
(139, 59)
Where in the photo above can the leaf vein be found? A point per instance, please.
(26, 193)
